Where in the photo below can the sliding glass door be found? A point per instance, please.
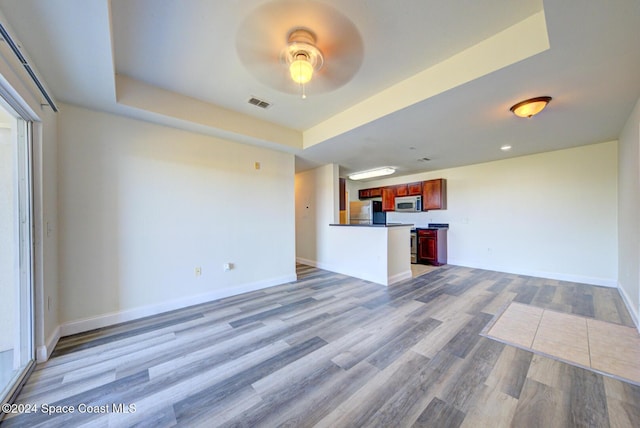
(16, 251)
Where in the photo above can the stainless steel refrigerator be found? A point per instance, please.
(366, 212)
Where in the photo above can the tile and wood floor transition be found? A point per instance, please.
(334, 351)
(419, 269)
(603, 346)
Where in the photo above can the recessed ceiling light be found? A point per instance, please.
(505, 147)
(378, 172)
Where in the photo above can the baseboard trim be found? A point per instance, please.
(361, 275)
(627, 301)
(44, 352)
(399, 277)
(603, 282)
(581, 279)
(105, 320)
(306, 262)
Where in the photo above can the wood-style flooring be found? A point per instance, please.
(334, 351)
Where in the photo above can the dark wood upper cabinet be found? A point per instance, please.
(364, 193)
(388, 199)
(376, 192)
(414, 189)
(434, 194)
(401, 190)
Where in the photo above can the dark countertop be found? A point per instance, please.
(433, 226)
(375, 225)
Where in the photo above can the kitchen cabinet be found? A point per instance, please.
(401, 190)
(414, 189)
(388, 199)
(374, 192)
(432, 246)
(434, 194)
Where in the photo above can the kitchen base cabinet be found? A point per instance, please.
(432, 246)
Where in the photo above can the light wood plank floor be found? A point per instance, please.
(334, 351)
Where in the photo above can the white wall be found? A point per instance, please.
(550, 215)
(317, 206)
(142, 205)
(376, 254)
(629, 213)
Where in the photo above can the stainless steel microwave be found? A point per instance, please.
(408, 203)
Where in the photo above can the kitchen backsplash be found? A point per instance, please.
(421, 219)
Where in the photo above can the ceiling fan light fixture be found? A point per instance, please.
(530, 107)
(302, 56)
(378, 172)
(301, 69)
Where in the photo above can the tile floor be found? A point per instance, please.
(605, 347)
(419, 269)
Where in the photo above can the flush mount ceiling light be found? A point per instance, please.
(530, 107)
(378, 172)
(302, 56)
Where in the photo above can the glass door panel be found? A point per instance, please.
(16, 314)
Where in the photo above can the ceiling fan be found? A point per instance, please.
(299, 46)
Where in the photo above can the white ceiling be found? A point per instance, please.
(401, 81)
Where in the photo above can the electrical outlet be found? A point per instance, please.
(198, 271)
(227, 266)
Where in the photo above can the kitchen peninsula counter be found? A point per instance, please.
(380, 253)
(375, 225)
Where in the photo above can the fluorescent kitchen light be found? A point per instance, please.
(378, 172)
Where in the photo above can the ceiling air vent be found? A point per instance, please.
(259, 103)
(424, 160)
